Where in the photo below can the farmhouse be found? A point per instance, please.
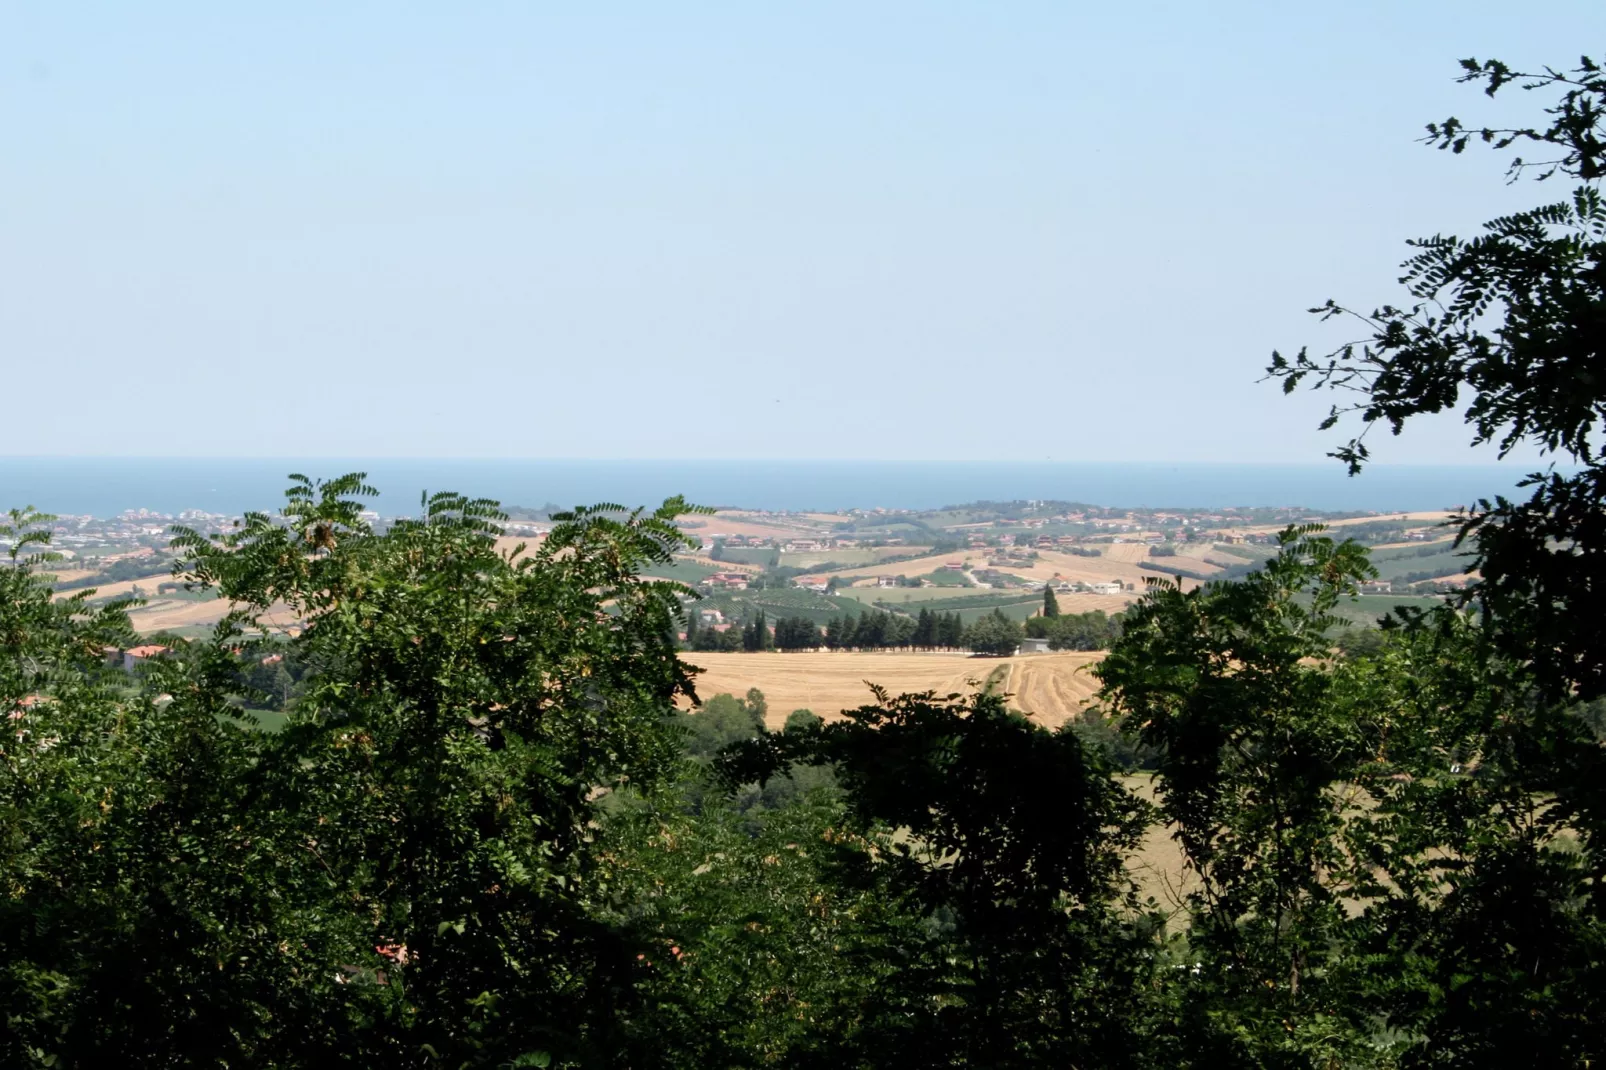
(730, 581)
(136, 655)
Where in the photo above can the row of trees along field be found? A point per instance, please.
(483, 837)
(993, 633)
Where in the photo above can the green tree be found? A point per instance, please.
(925, 634)
(1376, 840)
(797, 633)
(1005, 840)
(993, 634)
(798, 720)
(719, 722)
(1076, 631)
(758, 708)
(756, 634)
(1051, 604)
(401, 875)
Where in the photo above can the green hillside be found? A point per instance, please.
(779, 602)
(1430, 560)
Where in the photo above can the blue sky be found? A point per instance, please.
(890, 230)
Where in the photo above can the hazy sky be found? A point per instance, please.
(868, 229)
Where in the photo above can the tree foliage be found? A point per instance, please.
(400, 875)
(993, 634)
(1510, 325)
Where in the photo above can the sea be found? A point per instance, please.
(106, 487)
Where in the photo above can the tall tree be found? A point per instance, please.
(925, 634)
(1051, 604)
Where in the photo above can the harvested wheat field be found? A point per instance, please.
(119, 588)
(1050, 687)
(751, 525)
(69, 575)
(172, 614)
(1431, 516)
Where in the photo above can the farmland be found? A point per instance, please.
(1366, 610)
(1421, 560)
(779, 602)
(845, 557)
(1050, 687)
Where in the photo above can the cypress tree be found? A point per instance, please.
(1051, 605)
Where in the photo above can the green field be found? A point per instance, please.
(763, 556)
(850, 558)
(266, 720)
(901, 595)
(779, 602)
(1242, 552)
(844, 558)
(1429, 557)
(1368, 608)
(1014, 603)
(685, 571)
(1012, 610)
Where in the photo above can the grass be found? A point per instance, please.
(1368, 608)
(1428, 557)
(1012, 610)
(266, 720)
(1244, 553)
(763, 556)
(685, 571)
(1016, 605)
(844, 558)
(900, 595)
(780, 602)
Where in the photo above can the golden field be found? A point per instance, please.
(1050, 687)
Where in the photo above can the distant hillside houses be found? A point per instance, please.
(728, 581)
(1102, 587)
(742, 540)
